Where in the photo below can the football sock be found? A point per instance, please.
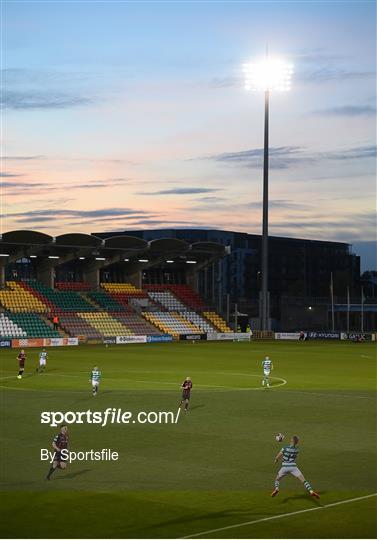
(52, 470)
(308, 486)
(276, 484)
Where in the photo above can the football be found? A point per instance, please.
(279, 437)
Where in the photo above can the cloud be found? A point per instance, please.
(8, 175)
(29, 100)
(181, 191)
(358, 152)
(23, 158)
(284, 157)
(326, 74)
(280, 157)
(348, 110)
(21, 185)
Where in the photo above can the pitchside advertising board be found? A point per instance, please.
(192, 337)
(308, 335)
(124, 340)
(5, 343)
(229, 336)
(44, 342)
(352, 336)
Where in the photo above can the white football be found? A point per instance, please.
(279, 437)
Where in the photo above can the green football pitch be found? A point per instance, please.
(210, 475)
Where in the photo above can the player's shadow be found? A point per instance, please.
(236, 512)
(73, 474)
(304, 496)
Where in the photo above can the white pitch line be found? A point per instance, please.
(270, 518)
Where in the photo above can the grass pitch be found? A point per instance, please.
(213, 470)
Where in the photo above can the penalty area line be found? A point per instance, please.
(270, 518)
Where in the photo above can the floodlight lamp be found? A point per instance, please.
(269, 74)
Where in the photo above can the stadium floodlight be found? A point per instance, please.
(143, 260)
(100, 258)
(53, 256)
(126, 260)
(4, 254)
(32, 256)
(190, 262)
(169, 262)
(270, 74)
(82, 258)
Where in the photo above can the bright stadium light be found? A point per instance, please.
(144, 260)
(100, 258)
(170, 262)
(53, 257)
(268, 75)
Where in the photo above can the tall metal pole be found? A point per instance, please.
(265, 311)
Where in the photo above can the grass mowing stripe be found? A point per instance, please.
(270, 518)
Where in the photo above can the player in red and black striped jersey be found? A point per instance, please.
(186, 386)
(59, 443)
(21, 363)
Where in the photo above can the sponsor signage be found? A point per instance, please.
(192, 337)
(158, 339)
(123, 340)
(287, 335)
(229, 336)
(5, 343)
(44, 342)
(61, 342)
(109, 340)
(323, 335)
(28, 342)
(357, 335)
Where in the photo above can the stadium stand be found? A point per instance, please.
(9, 329)
(72, 286)
(105, 301)
(199, 321)
(33, 325)
(167, 300)
(105, 324)
(138, 326)
(183, 292)
(60, 300)
(75, 326)
(217, 321)
(171, 323)
(19, 300)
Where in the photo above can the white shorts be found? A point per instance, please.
(294, 471)
(42, 362)
(266, 372)
(95, 383)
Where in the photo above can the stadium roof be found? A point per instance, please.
(15, 245)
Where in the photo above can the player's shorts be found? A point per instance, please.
(42, 361)
(185, 395)
(266, 372)
(59, 457)
(294, 471)
(95, 383)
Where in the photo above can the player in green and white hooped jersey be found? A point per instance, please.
(42, 361)
(288, 466)
(95, 378)
(267, 368)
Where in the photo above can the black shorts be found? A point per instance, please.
(185, 396)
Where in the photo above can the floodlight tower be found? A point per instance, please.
(267, 75)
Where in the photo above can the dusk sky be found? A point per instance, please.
(129, 115)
